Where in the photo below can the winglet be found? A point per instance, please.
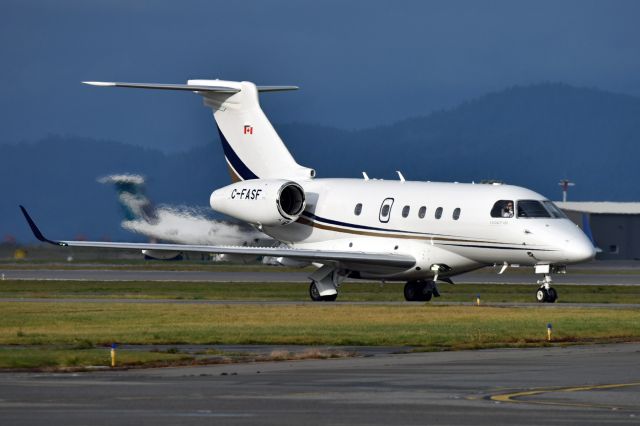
(36, 231)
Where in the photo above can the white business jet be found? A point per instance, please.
(418, 232)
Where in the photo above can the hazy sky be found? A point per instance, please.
(359, 64)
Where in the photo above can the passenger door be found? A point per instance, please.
(385, 210)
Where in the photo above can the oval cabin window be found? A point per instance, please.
(405, 211)
(422, 212)
(456, 213)
(358, 209)
(438, 212)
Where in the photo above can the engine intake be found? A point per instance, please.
(291, 200)
(267, 202)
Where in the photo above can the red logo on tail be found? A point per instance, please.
(248, 130)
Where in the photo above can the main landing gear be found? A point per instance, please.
(546, 293)
(314, 293)
(420, 291)
(325, 283)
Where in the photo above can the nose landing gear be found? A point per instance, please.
(546, 293)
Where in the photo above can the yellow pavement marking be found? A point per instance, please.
(511, 397)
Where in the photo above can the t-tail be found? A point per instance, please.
(252, 147)
(132, 197)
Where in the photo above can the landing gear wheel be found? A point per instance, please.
(417, 291)
(541, 295)
(426, 296)
(544, 295)
(545, 292)
(411, 291)
(314, 293)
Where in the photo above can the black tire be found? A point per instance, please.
(314, 293)
(426, 296)
(411, 291)
(425, 292)
(542, 295)
(552, 295)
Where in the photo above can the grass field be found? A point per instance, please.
(431, 327)
(53, 335)
(350, 292)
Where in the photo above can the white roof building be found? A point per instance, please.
(600, 207)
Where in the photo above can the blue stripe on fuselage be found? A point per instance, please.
(370, 228)
(240, 168)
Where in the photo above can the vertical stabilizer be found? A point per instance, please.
(132, 197)
(252, 147)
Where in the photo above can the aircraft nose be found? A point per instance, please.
(581, 250)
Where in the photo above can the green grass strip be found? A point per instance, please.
(435, 327)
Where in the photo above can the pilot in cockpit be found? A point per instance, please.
(507, 210)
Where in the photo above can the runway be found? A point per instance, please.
(580, 385)
(602, 277)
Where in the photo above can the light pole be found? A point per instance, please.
(565, 184)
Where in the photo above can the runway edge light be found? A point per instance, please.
(113, 354)
(549, 332)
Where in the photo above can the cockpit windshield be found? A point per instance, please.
(531, 209)
(527, 209)
(554, 210)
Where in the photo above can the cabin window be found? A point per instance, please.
(531, 208)
(438, 212)
(358, 209)
(456, 213)
(502, 208)
(422, 212)
(405, 211)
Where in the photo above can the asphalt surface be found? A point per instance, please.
(602, 277)
(552, 386)
(338, 303)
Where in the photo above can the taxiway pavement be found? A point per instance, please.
(553, 386)
(604, 277)
(338, 303)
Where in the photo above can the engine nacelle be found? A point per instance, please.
(266, 202)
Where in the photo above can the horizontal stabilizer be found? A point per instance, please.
(187, 87)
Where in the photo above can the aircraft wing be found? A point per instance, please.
(374, 261)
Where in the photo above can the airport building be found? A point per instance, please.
(614, 227)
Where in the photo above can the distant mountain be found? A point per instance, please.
(56, 179)
(531, 136)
